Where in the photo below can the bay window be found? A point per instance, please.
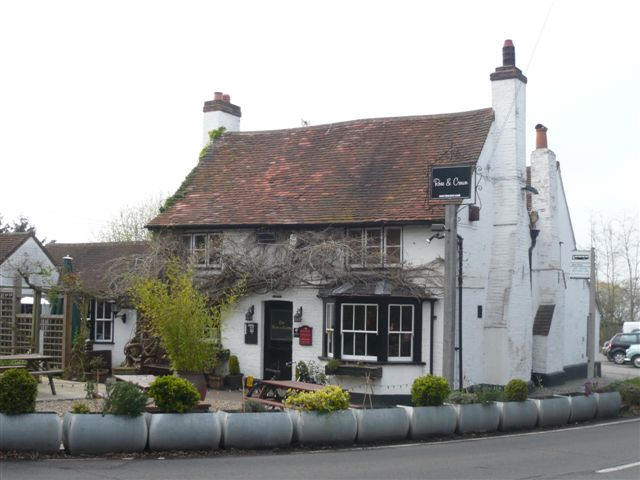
(359, 331)
(400, 344)
(328, 327)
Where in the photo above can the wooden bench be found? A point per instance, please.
(49, 374)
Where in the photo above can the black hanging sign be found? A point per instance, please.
(451, 182)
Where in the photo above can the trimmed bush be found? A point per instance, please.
(462, 398)
(516, 390)
(328, 399)
(429, 391)
(18, 391)
(80, 407)
(173, 394)
(125, 399)
(487, 394)
(234, 365)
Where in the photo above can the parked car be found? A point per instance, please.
(633, 355)
(617, 350)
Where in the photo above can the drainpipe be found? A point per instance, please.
(460, 240)
(432, 319)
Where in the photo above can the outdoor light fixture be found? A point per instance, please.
(248, 317)
(437, 227)
(297, 317)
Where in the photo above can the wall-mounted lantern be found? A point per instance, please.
(248, 317)
(297, 317)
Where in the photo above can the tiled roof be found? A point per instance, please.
(362, 171)
(95, 263)
(10, 242)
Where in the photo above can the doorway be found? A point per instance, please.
(278, 337)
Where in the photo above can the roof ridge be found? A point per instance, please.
(370, 119)
(77, 244)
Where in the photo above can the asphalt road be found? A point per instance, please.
(569, 453)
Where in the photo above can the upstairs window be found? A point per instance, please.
(375, 247)
(205, 248)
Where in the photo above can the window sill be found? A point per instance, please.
(103, 342)
(372, 362)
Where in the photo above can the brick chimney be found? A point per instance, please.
(541, 136)
(220, 112)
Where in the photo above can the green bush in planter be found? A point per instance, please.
(18, 391)
(429, 391)
(234, 365)
(124, 399)
(462, 398)
(328, 399)
(516, 390)
(80, 407)
(173, 394)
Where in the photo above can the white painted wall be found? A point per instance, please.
(122, 333)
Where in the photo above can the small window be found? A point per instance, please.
(400, 332)
(328, 327)
(266, 237)
(214, 249)
(205, 248)
(200, 249)
(359, 331)
(392, 246)
(103, 326)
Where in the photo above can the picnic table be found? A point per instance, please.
(36, 364)
(271, 393)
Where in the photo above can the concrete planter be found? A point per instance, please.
(608, 404)
(38, 432)
(256, 430)
(429, 421)
(333, 428)
(552, 410)
(184, 431)
(383, 424)
(583, 407)
(477, 417)
(517, 415)
(94, 433)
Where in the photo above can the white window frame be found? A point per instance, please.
(400, 332)
(386, 246)
(364, 332)
(206, 252)
(383, 247)
(102, 320)
(329, 319)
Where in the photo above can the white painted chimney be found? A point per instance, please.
(220, 112)
(508, 318)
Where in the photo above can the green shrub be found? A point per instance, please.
(429, 391)
(487, 394)
(124, 399)
(328, 399)
(253, 406)
(332, 366)
(462, 398)
(234, 365)
(90, 390)
(80, 407)
(173, 394)
(629, 390)
(516, 390)
(18, 391)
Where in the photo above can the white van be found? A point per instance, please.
(628, 327)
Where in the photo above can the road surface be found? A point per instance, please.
(598, 451)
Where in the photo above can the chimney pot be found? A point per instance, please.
(217, 95)
(226, 98)
(541, 136)
(508, 54)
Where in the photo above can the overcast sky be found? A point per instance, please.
(101, 102)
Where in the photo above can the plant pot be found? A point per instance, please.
(517, 415)
(331, 428)
(233, 382)
(608, 404)
(477, 417)
(552, 410)
(429, 421)
(583, 407)
(382, 424)
(38, 432)
(256, 430)
(355, 371)
(94, 433)
(184, 431)
(198, 381)
(215, 382)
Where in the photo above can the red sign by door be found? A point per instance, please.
(306, 335)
